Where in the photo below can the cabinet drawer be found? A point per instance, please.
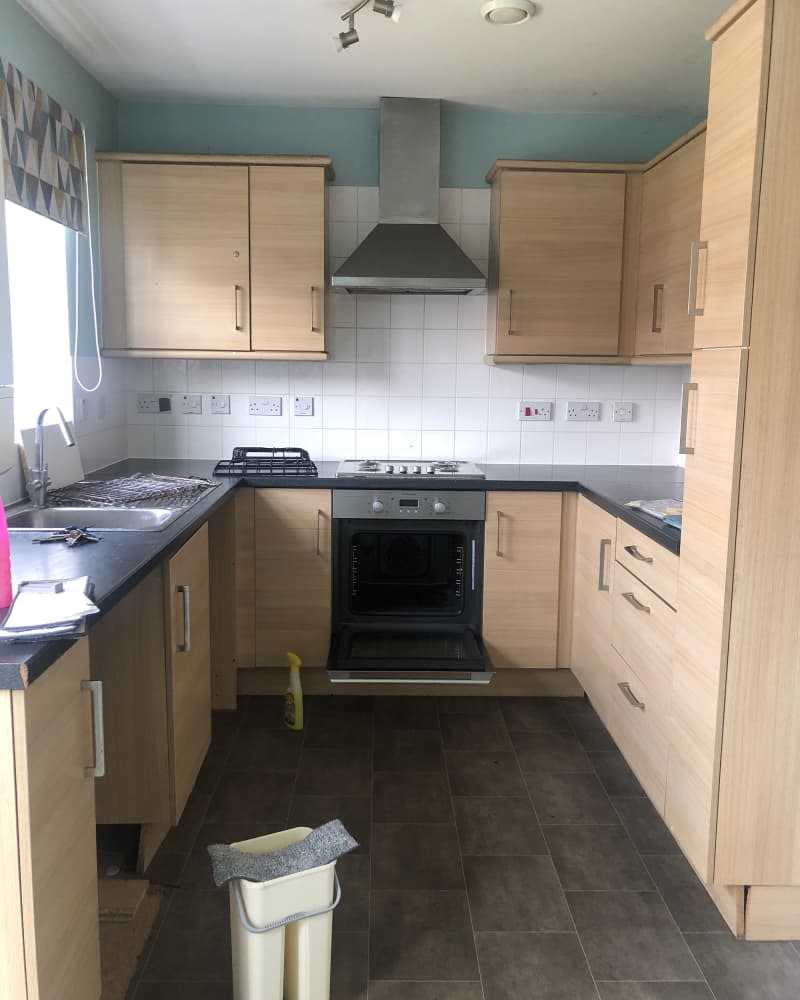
(649, 561)
(642, 632)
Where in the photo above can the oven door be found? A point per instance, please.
(411, 654)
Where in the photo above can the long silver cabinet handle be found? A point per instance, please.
(625, 688)
(474, 552)
(510, 311)
(498, 551)
(658, 295)
(694, 263)
(631, 599)
(684, 448)
(236, 291)
(319, 529)
(314, 328)
(632, 550)
(99, 769)
(186, 646)
(601, 577)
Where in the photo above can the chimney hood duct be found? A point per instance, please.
(408, 251)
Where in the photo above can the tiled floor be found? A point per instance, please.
(507, 852)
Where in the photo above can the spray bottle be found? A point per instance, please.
(293, 699)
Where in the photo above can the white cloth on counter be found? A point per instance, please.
(41, 612)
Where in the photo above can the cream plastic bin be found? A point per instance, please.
(293, 961)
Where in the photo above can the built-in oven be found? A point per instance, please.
(407, 586)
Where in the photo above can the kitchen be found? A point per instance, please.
(563, 731)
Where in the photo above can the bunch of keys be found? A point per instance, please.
(72, 535)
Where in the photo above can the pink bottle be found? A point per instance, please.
(5, 561)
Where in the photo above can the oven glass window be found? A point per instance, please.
(407, 573)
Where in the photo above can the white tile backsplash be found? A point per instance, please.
(406, 379)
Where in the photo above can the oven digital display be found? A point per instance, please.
(407, 502)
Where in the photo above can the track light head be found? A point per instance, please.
(347, 38)
(389, 8)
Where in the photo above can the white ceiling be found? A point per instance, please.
(575, 55)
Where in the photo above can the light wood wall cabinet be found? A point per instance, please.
(213, 257)
(555, 268)
(157, 691)
(49, 946)
(292, 576)
(521, 578)
(670, 224)
(732, 784)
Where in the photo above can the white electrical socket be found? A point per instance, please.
(146, 402)
(623, 413)
(304, 406)
(532, 410)
(192, 403)
(265, 406)
(220, 404)
(583, 411)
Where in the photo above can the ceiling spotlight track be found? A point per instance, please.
(389, 8)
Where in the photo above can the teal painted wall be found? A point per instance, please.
(471, 139)
(37, 54)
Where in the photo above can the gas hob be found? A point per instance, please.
(395, 469)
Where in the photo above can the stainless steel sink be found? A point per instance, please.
(99, 518)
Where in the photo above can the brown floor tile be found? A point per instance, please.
(592, 736)
(330, 728)
(498, 826)
(550, 752)
(352, 914)
(515, 894)
(349, 967)
(654, 991)
(533, 967)
(570, 799)
(181, 838)
(256, 749)
(354, 704)
(415, 856)
(747, 970)
(646, 828)
(534, 715)
(334, 772)
(421, 936)
(406, 713)
(407, 797)
(211, 771)
(183, 991)
(475, 732)
(224, 725)
(484, 772)
(194, 940)
(483, 705)
(684, 894)
(166, 867)
(408, 750)
(385, 990)
(251, 796)
(631, 936)
(596, 858)
(354, 811)
(614, 773)
(265, 711)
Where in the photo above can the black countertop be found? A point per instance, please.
(122, 558)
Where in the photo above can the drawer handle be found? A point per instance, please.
(625, 688)
(601, 579)
(631, 599)
(632, 550)
(99, 768)
(186, 645)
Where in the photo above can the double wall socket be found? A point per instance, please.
(583, 411)
(266, 406)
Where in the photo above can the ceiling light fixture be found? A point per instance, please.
(389, 8)
(508, 11)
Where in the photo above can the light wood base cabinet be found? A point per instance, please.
(522, 555)
(49, 945)
(595, 535)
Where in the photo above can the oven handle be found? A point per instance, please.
(474, 546)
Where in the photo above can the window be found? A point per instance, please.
(37, 272)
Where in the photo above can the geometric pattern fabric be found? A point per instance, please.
(43, 151)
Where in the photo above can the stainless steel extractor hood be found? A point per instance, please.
(408, 251)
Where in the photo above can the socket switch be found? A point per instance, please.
(623, 413)
(583, 410)
(146, 402)
(192, 403)
(304, 406)
(532, 410)
(266, 406)
(220, 404)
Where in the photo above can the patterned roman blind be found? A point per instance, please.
(43, 151)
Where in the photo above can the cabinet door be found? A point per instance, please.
(595, 536)
(293, 576)
(520, 578)
(560, 263)
(704, 586)
(287, 248)
(732, 178)
(671, 195)
(188, 665)
(52, 722)
(185, 231)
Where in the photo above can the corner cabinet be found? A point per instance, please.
(555, 260)
(213, 257)
(49, 948)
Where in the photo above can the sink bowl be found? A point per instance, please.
(96, 518)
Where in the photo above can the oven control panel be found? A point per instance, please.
(453, 505)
